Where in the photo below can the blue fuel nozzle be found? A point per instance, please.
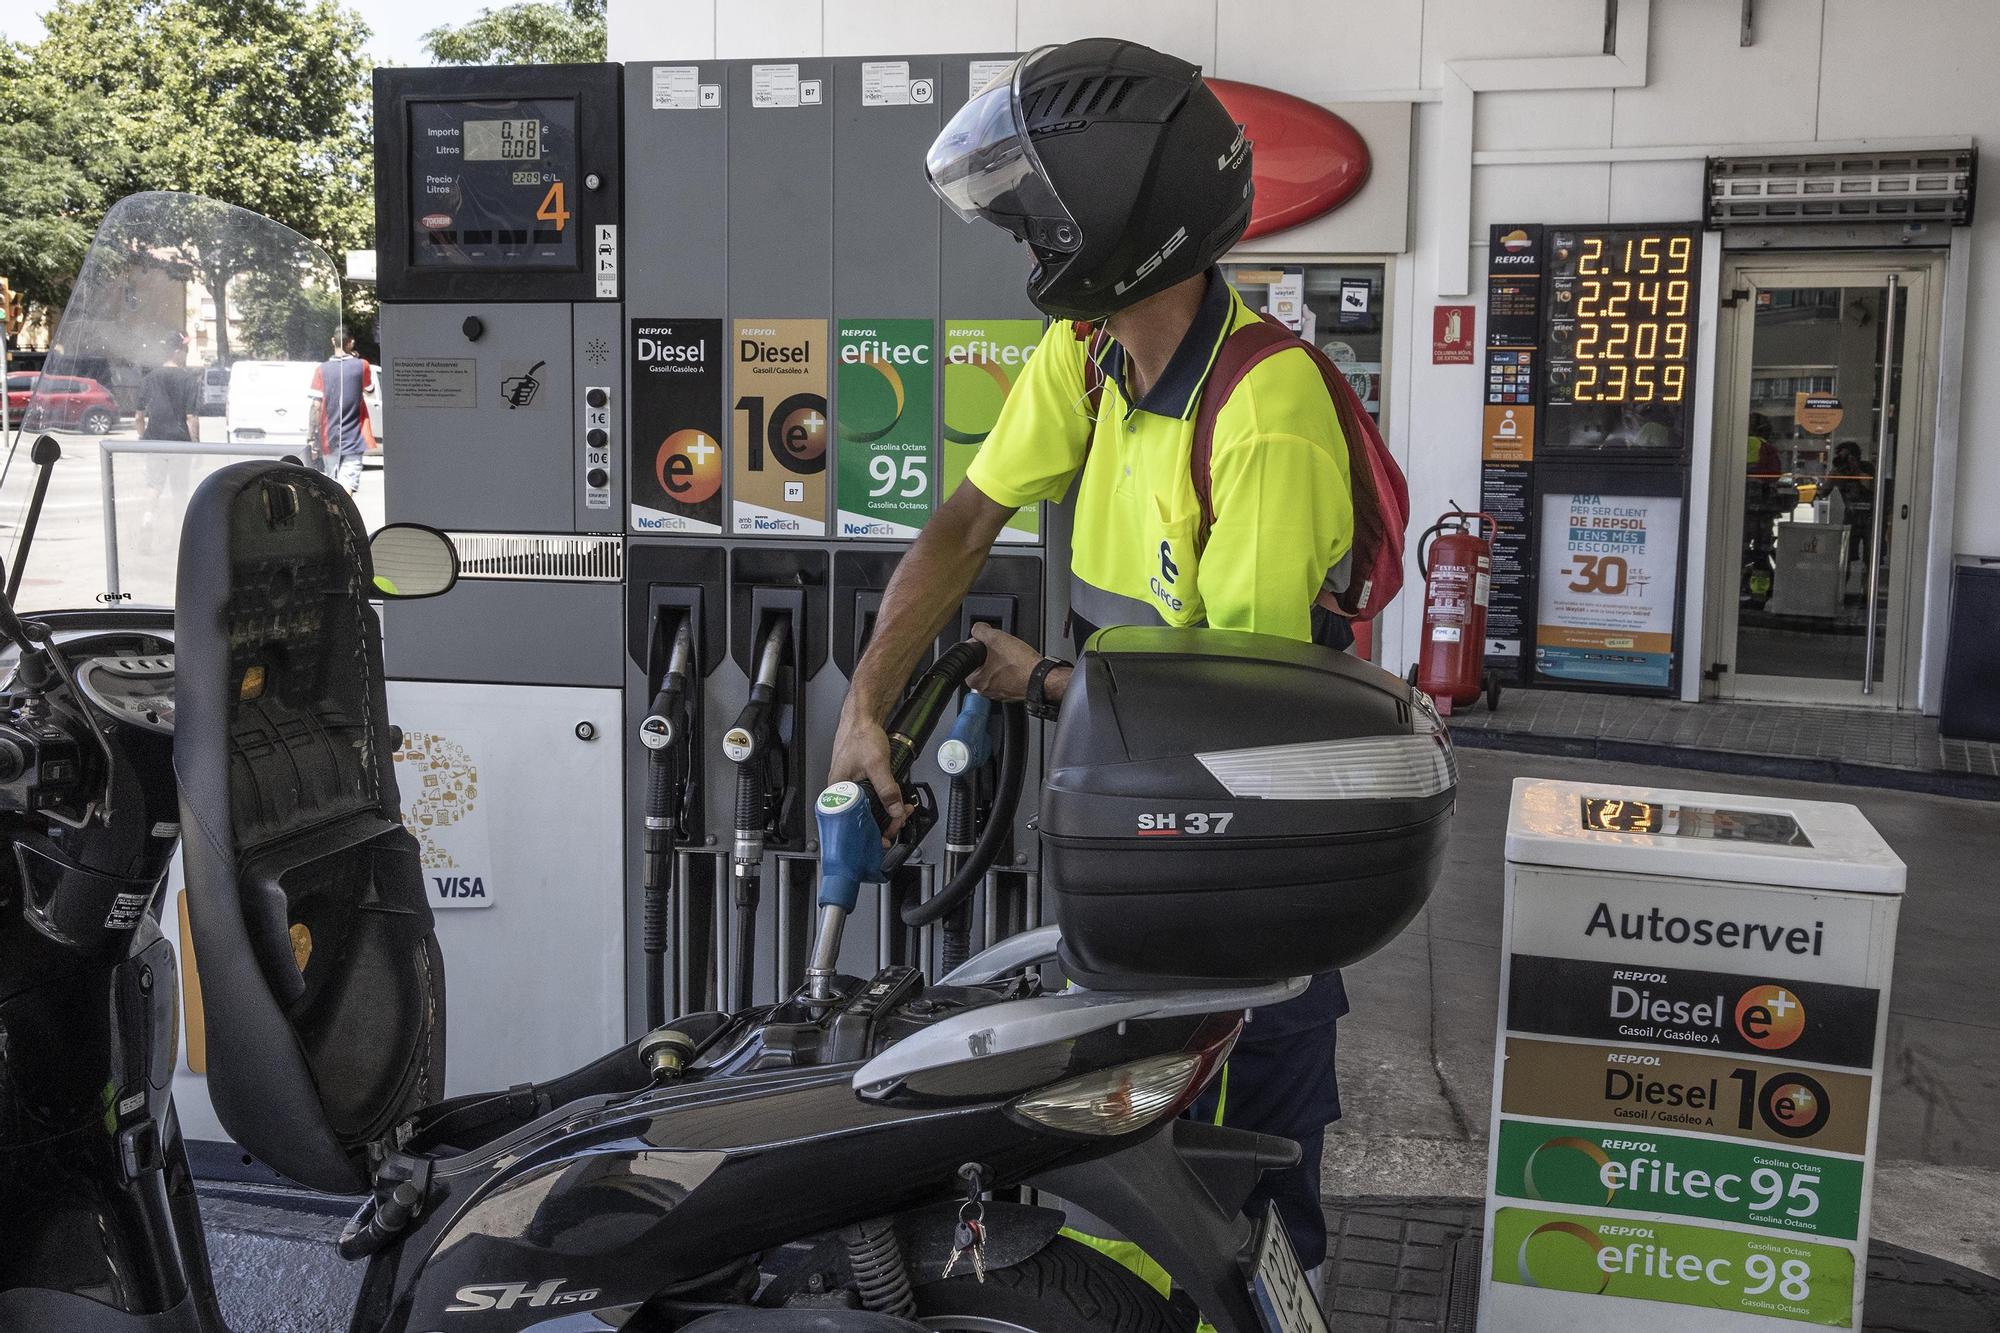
(970, 744)
(850, 844)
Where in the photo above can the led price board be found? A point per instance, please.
(1619, 370)
(492, 184)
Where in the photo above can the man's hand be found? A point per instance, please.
(1003, 677)
(861, 753)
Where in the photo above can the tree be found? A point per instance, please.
(49, 205)
(259, 103)
(542, 32)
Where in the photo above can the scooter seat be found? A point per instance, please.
(323, 988)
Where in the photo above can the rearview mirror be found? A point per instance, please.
(412, 561)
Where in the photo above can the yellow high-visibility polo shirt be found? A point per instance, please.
(1279, 480)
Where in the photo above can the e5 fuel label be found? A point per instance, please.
(1814, 1022)
(1706, 1094)
(885, 375)
(1708, 1267)
(1807, 1193)
(982, 359)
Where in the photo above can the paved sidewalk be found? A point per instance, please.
(1858, 746)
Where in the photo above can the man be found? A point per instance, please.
(1127, 179)
(342, 433)
(166, 413)
(166, 398)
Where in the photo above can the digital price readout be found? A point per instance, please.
(491, 184)
(1620, 338)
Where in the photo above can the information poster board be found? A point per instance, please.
(1688, 1063)
(1507, 438)
(982, 359)
(779, 432)
(676, 466)
(885, 416)
(1607, 591)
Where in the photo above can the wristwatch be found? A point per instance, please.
(1039, 704)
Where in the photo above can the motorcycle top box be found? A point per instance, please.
(1226, 807)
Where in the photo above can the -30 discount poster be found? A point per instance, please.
(779, 432)
(1610, 567)
(982, 359)
(885, 395)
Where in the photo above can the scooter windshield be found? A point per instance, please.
(176, 294)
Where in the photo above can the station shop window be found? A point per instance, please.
(1341, 308)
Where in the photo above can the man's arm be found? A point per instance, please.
(929, 582)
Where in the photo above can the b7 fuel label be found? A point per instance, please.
(1707, 1267)
(1774, 1017)
(1810, 1194)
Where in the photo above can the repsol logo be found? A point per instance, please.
(459, 886)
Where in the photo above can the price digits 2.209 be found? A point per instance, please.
(1632, 320)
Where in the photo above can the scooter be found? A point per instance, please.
(843, 1158)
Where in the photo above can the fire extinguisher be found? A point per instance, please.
(1456, 561)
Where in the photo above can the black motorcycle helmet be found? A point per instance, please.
(1114, 162)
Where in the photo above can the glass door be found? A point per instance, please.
(1822, 457)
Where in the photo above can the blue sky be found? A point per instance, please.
(398, 25)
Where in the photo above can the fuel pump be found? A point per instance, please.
(668, 734)
(755, 743)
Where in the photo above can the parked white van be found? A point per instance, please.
(270, 401)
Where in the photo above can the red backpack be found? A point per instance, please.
(1370, 575)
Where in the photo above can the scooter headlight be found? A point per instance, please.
(1119, 1100)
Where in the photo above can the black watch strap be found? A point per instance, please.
(1038, 702)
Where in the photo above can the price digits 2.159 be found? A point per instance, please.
(1632, 319)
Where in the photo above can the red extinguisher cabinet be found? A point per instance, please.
(1455, 557)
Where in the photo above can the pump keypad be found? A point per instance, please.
(597, 447)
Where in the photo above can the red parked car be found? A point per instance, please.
(65, 402)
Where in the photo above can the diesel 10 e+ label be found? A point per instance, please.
(1748, 1184)
(780, 436)
(1668, 1089)
(1738, 1271)
(1809, 1021)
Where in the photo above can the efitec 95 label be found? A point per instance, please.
(1750, 1184)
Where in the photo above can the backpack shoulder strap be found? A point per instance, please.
(1240, 353)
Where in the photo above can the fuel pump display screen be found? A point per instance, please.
(1620, 338)
(491, 184)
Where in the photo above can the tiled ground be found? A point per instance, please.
(1412, 1266)
(1877, 747)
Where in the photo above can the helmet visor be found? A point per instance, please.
(983, 166)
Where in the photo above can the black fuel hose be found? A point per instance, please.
(999, 822)
(917, 716)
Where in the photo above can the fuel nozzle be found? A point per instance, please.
(751, 744)
(964, 752)
(851, 816)
(665, 733)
